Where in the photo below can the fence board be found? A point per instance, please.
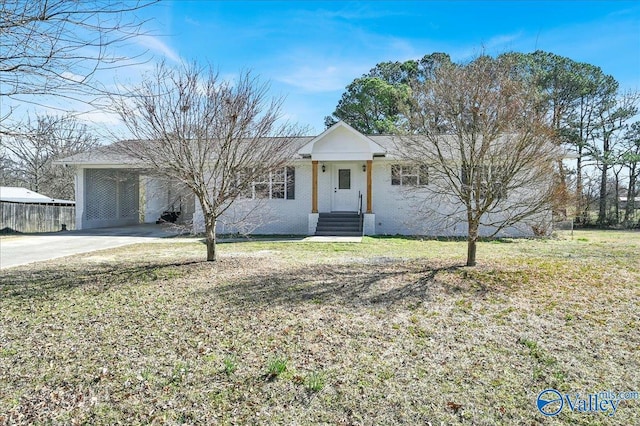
(25, 218)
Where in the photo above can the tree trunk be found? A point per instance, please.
(472, 239)
(631, 192)
(210, 229)
(580, 216)
(562, 182)
(617, 204)
(602, 207)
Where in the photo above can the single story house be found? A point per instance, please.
(340, 182)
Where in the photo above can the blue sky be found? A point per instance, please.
(311, 50)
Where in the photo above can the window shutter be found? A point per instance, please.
(291, 182)
(423, 174)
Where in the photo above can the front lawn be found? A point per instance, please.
(390, 331)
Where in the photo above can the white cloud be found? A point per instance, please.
(503, 40)
(191, 21)
(322, 78)
(158, 46)
(100, 117)
(67, 75)
(496, 45)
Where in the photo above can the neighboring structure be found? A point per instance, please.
(23, 210)
(341, 182)
(635, 201)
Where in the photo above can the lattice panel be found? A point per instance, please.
(128, 195)
(101, 193)
(111, 194)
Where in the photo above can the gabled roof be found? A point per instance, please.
(340, 142)
(111, 156)
(103, 155)
(15, 194)
(357, 144)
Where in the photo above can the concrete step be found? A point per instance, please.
(338, 213)
(338, 224)
(339, 216)
(338, 233)
(339, 221)
(337, 228)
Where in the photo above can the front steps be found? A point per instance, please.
(336, 224)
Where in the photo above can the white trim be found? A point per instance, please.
(373, 148)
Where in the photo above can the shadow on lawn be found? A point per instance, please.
(351, 284)
(380, 282)
(44, 282)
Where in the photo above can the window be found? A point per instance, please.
(261, 187)
(344, 179)
(489, 180)
(279, 184)
(405, 175)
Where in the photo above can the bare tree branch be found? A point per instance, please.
(32, 152)
(55, 47)
(215, 137)
(489, 150)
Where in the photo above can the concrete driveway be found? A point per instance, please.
(23, 249)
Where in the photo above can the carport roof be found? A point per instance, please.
(110, 155)
(105, 155)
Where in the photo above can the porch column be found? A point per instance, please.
(369, 192)
(80, 201)
(314, 186)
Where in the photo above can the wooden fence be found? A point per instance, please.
(18, 217)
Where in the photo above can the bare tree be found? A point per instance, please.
(612, 119)
(215, 137)
(488, 149)
(630, 159)
(55, 47)
(40, 142)
(8, 167)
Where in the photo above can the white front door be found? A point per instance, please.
(345, 188)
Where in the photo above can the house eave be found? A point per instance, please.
(373, 147)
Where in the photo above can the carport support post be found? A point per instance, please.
(80, 201)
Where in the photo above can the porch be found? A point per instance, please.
(342, 167)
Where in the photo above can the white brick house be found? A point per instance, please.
(340, 171)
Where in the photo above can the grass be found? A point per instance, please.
(391, 331)
(276, 367)
(230, 365)
(315, 381)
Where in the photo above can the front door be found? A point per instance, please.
(345, 191)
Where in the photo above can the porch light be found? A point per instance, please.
(323, 168)
(364, 167)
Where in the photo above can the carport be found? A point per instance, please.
(108, 197)
(111, 197)
(111, 191)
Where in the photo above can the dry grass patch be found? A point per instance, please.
(391, 331)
